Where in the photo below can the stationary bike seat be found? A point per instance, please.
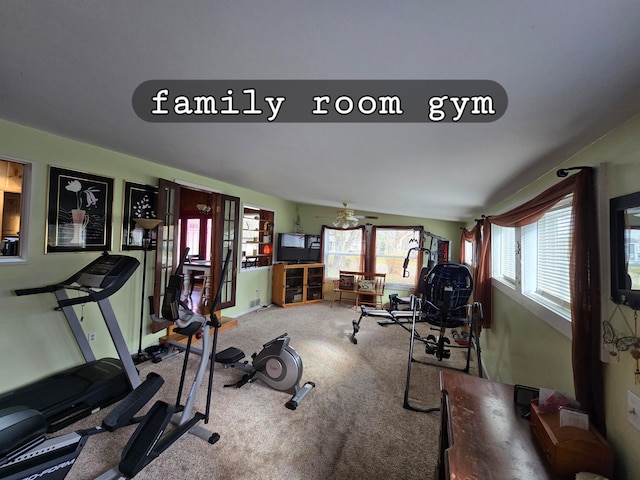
(229, 355)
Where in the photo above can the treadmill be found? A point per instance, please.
(67, 396)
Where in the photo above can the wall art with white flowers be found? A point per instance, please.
(79, 211)
(140, 201)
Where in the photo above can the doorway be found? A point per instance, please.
(195, 224)
(207, 222)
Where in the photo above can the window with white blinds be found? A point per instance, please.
(504, 253)
(509, 260)
(554, 245)
(534, 260)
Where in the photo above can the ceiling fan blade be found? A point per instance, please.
(360, 217)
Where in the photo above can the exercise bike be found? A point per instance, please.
(278, 365)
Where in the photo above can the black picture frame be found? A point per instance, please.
(79, 207)
(623, 291)
(140, 201)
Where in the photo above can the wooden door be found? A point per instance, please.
(225, 239)
(166, 251)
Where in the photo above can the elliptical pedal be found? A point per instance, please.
(123, 413)
(139, 451)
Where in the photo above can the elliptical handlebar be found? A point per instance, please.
(170, 308)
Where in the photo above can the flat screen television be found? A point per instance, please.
(298, 247)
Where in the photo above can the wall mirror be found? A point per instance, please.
(625, 250)
(12, 175)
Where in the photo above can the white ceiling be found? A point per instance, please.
(571, 70)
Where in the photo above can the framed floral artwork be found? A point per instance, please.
(78, 211)
(140, 201)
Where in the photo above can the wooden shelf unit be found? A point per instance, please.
(297, 283)
(257, 238)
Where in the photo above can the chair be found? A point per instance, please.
(204, 294)
(194, 278)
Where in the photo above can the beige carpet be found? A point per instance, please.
(352, 425)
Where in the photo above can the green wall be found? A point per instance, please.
(34, 339)
(522, 348)
(36, 335)
(519, 348)
(312, 217)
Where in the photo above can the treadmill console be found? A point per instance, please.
(105, 270)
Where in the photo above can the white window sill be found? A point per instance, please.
(12, 260)
(552, 318)
(399, 287)
(254, 269)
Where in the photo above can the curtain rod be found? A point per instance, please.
(563, 172)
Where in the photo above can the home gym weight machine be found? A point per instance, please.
(25, 453)
(434, 254)
(67, 396)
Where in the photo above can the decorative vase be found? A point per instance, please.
(80, 221)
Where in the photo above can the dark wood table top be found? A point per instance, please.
(488, 439)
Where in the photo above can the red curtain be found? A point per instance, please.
(584, 277)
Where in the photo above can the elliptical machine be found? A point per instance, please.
(152, 437)
(278, 365)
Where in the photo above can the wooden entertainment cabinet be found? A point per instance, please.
(297, 283)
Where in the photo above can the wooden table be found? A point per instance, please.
(203, 266)
(483, 436)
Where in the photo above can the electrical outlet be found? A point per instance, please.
(91, 337)
(633, 409)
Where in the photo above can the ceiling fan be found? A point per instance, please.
(346, 217)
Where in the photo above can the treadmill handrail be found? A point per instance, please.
(92, 295)
(33, 291)
(126, 269)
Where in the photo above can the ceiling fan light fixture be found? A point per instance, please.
(345, 217)
(203, 208)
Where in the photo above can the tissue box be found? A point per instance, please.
(571, 450)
